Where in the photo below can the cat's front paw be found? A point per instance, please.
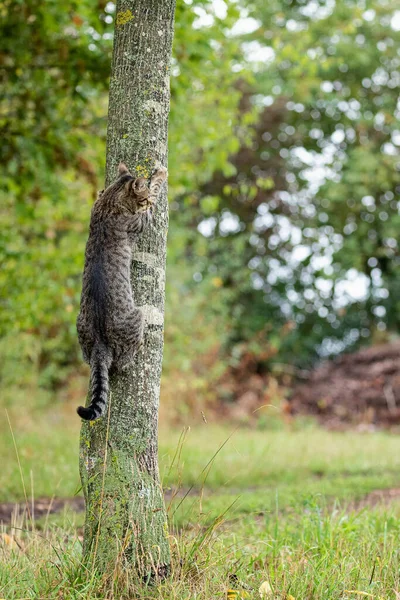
(159, 173)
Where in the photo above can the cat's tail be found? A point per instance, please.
(100, 363)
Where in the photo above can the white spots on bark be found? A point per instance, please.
(144, 492)
(90, 463)
(152, 315)
(161, 147)
(151, 260)
(147, 278)
(129, 56)
(160, 32)
(154, 105)
(158, 165)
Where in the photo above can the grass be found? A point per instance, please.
(314, 554)
(287, 497)
(48, 449)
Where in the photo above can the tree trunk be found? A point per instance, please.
(126, 523)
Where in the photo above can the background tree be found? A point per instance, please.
(126, 523)
(54, 68)
(301, 239)
(295, 258)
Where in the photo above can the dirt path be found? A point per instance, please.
(376, 498)
(47, 506)
(41, 507)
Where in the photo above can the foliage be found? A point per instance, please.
(302, 239)
(284, 177)
(54, 63)
(54, 68)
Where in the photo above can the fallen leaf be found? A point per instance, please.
(7, 539)
(10, 542)
(265, 590)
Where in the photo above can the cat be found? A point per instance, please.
(110, 326)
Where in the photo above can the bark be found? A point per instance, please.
(126, 522)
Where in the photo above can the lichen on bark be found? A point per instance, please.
(126, 523)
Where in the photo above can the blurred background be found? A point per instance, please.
(284, 195)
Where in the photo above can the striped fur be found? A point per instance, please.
(100, 364)
(110, 326)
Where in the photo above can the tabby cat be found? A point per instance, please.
(110, 326)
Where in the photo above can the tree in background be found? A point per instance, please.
(54, 65)
(298, 257)
(301, 241)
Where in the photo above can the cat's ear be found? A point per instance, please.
(123, 169)
(130, 186)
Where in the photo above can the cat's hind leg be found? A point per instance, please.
(85, 337)
(129, 339)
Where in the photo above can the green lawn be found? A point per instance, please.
(274, 506)
(222, 459)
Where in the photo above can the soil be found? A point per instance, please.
(356, 390)
(9, 511)
(362, 388)
(46, 506)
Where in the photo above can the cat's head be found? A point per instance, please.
(133, 190)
